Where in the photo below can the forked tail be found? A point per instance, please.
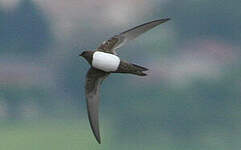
(126, 67)
(138, 70)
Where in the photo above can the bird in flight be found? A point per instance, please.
(103, 61)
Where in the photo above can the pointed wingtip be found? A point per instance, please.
(98, 140)
(95, 130)
(160, 21)
(166, 19)
(97, 137)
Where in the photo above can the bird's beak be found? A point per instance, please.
(80, 54)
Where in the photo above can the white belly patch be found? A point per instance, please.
(105, 61)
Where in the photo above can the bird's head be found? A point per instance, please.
(88, 55)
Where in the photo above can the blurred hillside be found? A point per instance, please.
(190, 99)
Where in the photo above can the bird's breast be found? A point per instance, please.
(105, 61)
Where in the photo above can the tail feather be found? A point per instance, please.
(139, 70)
(140, 67)
(141, 74)
(125, 67)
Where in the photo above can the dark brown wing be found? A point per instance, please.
(94, 79)
(107, 46)
(117, 41)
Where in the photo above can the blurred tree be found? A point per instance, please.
(216, 18)
(24, 30)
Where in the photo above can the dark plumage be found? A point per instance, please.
(104, 58)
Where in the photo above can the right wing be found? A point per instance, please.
(94, 79)
(119, 40)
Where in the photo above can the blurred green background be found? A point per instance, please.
(190, 99)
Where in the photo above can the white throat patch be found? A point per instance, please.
(105, 61)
